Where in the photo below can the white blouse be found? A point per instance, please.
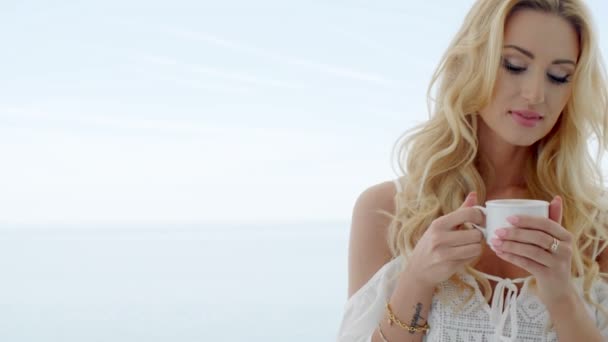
(520, 316)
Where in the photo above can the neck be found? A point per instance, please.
(507, 160)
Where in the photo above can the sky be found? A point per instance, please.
(190, 111)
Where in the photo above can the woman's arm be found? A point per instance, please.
(368, 252)
(572, 321)
(410, 302)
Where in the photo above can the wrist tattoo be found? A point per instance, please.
(417, 316)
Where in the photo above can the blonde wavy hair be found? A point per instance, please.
(439, 158)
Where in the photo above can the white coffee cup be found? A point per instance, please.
(497, 211)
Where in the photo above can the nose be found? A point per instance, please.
(533, 88)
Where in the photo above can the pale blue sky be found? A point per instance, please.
(189, 111)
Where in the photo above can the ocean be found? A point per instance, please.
(246, 282)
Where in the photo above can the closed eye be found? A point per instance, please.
(514, 69)
(559, 80)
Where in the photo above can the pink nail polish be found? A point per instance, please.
(496, 242)
(501, 232)
(513, 219)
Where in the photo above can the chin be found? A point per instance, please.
(525, 144)
(520, 141)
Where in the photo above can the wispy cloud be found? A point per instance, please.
(66, 114)
(241, 77)
(76, 113)
(334, 70)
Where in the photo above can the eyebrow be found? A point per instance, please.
(531, 55)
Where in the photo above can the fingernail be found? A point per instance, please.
(496, 242)
(502, 232)
(513, 219)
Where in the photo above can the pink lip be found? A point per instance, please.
(526, 118)
(528, 114)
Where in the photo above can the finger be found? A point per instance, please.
(556, 209)
(461, 253)
(532, 252)
(458, 217)
(470, 200)
(540, 223)
(529, 236)
(460, 265)
(527, 264)
(463, 237)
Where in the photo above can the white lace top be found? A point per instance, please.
(520, 316)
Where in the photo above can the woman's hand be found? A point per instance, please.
(443, 249)
(528, 245)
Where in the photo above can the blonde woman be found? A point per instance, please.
(519, 93)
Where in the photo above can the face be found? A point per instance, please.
(533, 83)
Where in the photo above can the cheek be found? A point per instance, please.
(502, 98)
(506, 89)
(558, 98)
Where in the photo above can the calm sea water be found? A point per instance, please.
(173, 283)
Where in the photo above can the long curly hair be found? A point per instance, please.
(439, 159)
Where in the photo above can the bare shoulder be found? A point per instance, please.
(368, 249)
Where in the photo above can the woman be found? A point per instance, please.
(520, 90)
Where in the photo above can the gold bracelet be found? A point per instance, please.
(381, 334)
(425, 328)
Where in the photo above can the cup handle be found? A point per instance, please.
(483, 230)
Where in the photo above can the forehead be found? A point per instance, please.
(546, 35)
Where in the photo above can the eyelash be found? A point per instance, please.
(517, 70)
